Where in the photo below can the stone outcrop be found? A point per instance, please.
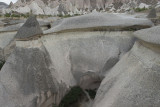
(72, 7)
(99, 22)
(3, 5)
(134, 80)
(40, 72)
(30, 29)
(152, 13)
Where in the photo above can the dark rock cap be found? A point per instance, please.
(30, 29)
(152, 13)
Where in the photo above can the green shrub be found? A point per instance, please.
(92, 93)
(72, 97)
(1, 64)
(76, 14)
(140, 9)
(25, 15)
(15, 15)
(7, 15)
(60, 15)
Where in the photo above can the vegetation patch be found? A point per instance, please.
(140, 9)
(67, 15)
(73, 96)
(92, 93)
(1, 64)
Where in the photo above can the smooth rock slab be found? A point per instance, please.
(102, 22)
(11, 28)
(151, 35)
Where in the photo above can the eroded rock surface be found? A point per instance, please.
(29, 29)
(100, 22)
(40, 72)
(134, 80)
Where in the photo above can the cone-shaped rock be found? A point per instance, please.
(152, 13)
(30, 29)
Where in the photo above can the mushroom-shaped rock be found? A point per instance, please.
(30, 29)
(152, 13)
(150, 35)
(101, 21)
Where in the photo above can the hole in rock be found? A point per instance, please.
(1, 64)
(78, 97)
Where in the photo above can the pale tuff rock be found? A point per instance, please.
(143, 5)
(40, 72)
(150, 35)
(35, 8)
(33, 61)
(23, 10)
(133, 81)
(5, 40)
(100, 21)
(11, 28)
(33, 80)
(67, 6)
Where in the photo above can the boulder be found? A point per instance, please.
(30, 29)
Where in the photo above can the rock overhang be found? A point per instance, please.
(150, 35)
(100, 22)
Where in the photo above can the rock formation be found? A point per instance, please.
(30, 29)
(100, 22)
(152, 13)
(3, 5)
(72, 7)
(134, 80)
(40, 72)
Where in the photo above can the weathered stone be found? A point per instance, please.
(30, 29)
(11, 28)
(150, 35)
(30, 81)
(133, 81)
(102, 22)
(152, 13)
(68, 59)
